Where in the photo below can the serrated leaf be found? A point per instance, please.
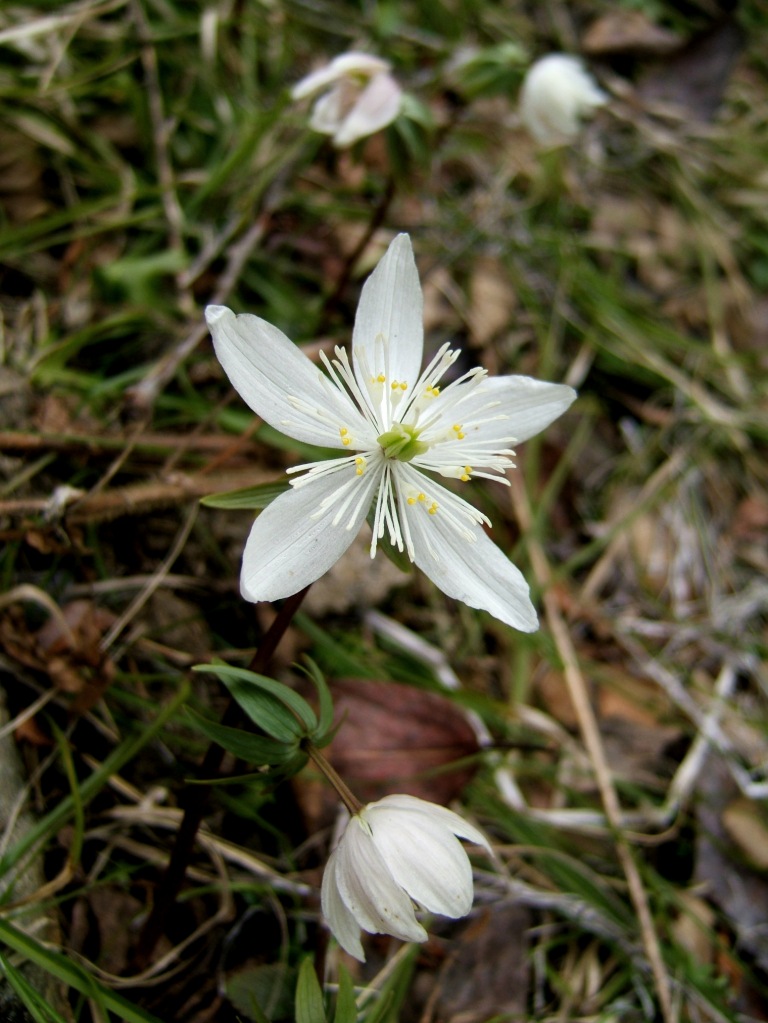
(309, 995)
(255, 749)
(250, 498)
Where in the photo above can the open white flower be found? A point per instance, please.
(393, 424)
(394, 853)
(557, 93)
(360, 97)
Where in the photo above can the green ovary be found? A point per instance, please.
(402, 443)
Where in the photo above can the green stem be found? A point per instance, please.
(346, 795)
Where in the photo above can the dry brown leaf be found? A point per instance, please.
(693, 927)
(487, 976)
(746, 824)
(627, 31)
(393, 738)
(492, 301)
(696, 78)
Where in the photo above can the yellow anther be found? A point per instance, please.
(457, 431)
(359, 466)
(381, 379)
(432, 392)
(343, 431)
(464, 478)
(346, 440)
(403, 386)
(422, 497)
(433, 508)
(411, 500)
(394, 385)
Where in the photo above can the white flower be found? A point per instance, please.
(391, 421)
(393, 853)
(359, 98)
(557, 92)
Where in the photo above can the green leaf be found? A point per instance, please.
(309, 995)
(262, 991)
(255, 749)
(93, 784)
(72, 974)
(245, 685)
(324, 699)
(256, 497)
(346, 1008)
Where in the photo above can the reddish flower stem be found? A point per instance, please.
(195, 798)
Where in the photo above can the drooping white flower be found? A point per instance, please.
(393, 424)
(557, 93)
(359, 97)
(396, 852)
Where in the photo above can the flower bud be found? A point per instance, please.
(557, 93)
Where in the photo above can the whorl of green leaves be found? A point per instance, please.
(286, 721)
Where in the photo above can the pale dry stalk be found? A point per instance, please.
(590, 732)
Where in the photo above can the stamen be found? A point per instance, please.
(359, 466)
(346, 440)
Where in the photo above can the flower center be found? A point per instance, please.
(402, 442)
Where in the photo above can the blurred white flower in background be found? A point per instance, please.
(396, 426)
(396, 852)
(359, 97)
(557, 93)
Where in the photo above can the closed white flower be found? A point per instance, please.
(395, 428)
(395, 853)
(557, 93)
(359, 97)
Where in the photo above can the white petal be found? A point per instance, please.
(340, 67)
(391, 310)
(327, 112)
(447, 818)
(267, 370)
(287, 548)
(368, 889)
(376, 107)
(557, 91)
(343, 924)
(425, 859)
(474, 572)
(527, 406)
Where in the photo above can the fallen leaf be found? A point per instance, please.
(696, 78)
(392, 738)
(628, 32)
(487, 976)
(745, 822)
